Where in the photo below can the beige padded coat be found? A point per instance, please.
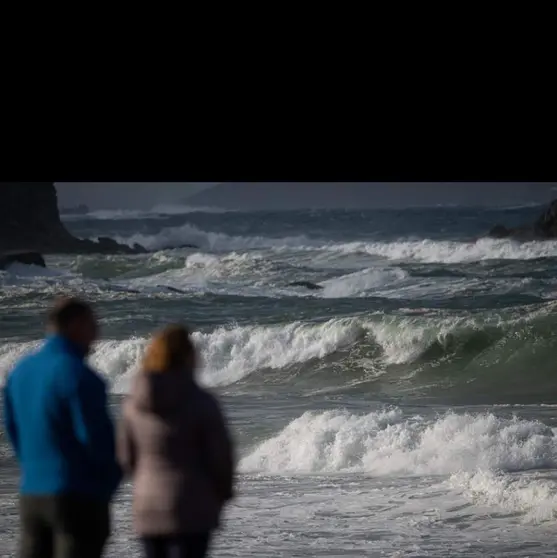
(174, 443)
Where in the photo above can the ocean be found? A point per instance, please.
(407, 408)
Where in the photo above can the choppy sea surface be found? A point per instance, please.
(408, 408)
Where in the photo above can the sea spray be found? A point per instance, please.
(172, 237)
(360, 282)
(387, 443)
(428, 350)
(228, 354)
(426, 250)
(532, 494)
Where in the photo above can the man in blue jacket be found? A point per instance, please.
(57, 421)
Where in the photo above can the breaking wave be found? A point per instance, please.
(228, 354)
(190, 234)
(501, 358)
(361, 281)
(446, 251)
(532, 494)
(426, 251)
(387, 443)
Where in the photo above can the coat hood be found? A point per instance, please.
(161, 392)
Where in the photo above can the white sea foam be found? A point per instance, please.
(387, 443)
(244, 274)
(237, 272)
(172, 237)
(404, 341)
(20, 280)
(228, 354)
(428, 251)
(232, 353)
(445, 251)
(531, 494)
(233, 264)
(359, 282)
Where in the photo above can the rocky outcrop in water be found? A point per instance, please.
(307, 284)
(546, 225)
(545, 228)
(18, 256)
(30, 222)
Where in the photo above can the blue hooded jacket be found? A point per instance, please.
(55, 410)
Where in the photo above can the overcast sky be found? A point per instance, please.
(142, 195)
(119, 195)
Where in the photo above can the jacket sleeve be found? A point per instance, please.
(125, 446)
(9, 421)
(93, 426)
(219, 452)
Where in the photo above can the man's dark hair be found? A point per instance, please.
(65, 311)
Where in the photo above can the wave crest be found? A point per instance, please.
(386, 443)
(426, 250)
(228, 354)
(463, 357)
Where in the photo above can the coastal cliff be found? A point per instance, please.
(30, 222)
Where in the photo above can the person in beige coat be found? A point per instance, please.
(174, 443)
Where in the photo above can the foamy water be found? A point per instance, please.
(228, 354)
(387, 443)
(402, 406)
(430, 251)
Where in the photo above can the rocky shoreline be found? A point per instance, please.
(545, 228)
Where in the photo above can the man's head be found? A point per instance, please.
(74, 320)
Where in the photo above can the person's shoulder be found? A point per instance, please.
(204, 395)
(47, 358)
(64, 364)
(24, 361)
(28, 362)
(76, 374)
(20, 367)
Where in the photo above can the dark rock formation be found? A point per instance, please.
(499, 231)
(545, 228)
(30, 221)
(28, 258)
(546, 225)
(307, 284)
